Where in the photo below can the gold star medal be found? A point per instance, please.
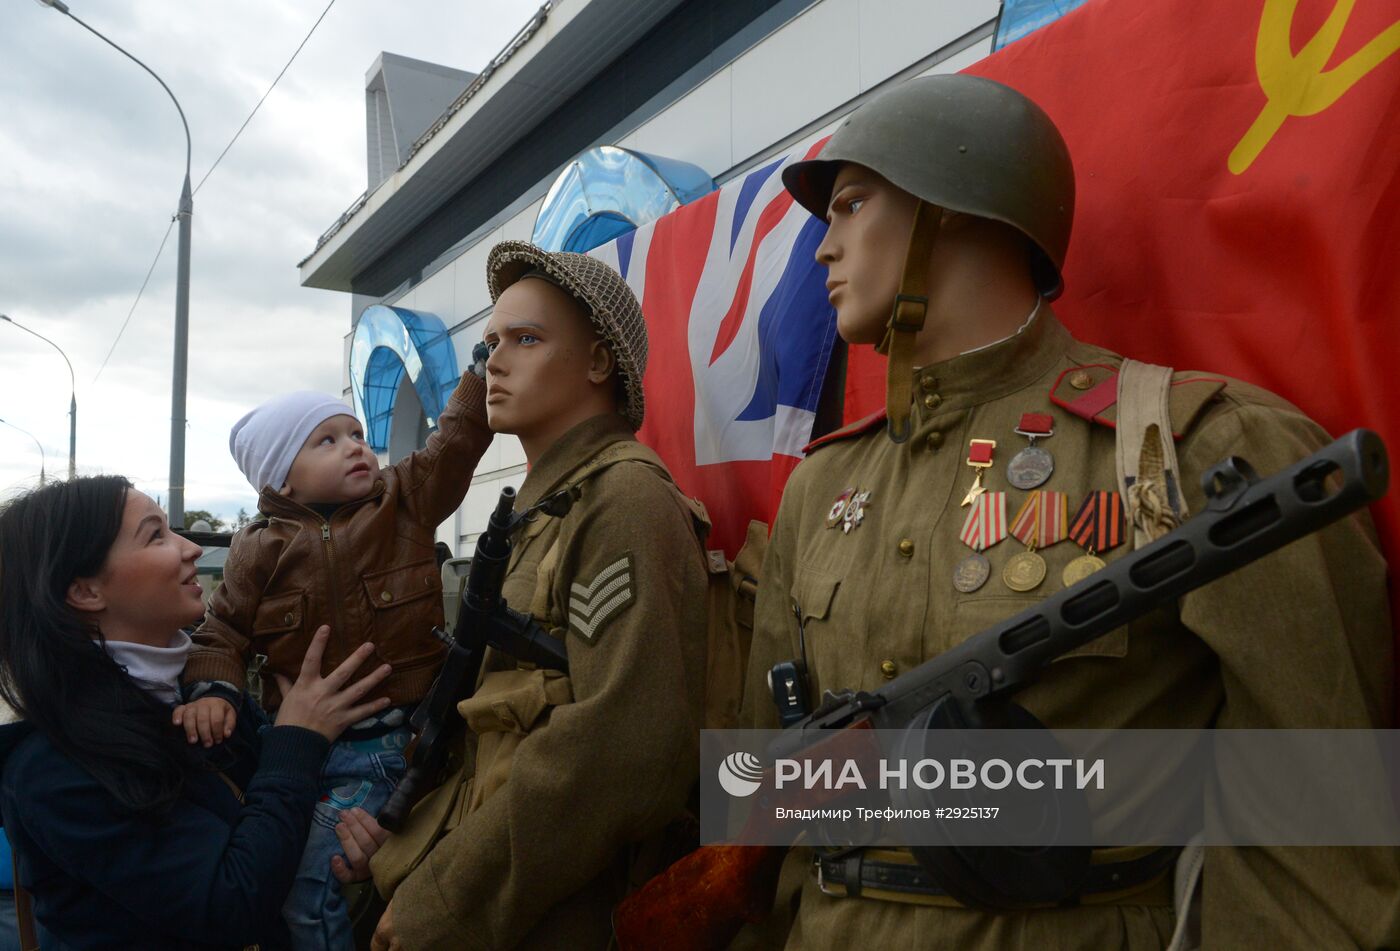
(979, 457)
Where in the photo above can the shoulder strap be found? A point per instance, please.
(1149, 476)
(627, 450)
(24, 909)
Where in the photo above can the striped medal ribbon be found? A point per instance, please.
(984, 526)
(1096, 527)
(1041, 522)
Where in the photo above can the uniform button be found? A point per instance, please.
(934, 440)
(427, 582)
(932, 400)
(906, 547)
(288, 619)
(888, 669)
(927, 382)
(385, 596)
(1081, 380)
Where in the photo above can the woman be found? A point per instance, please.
(125, 834)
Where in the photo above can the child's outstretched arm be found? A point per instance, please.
(433, 481)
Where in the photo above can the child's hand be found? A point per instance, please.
(209, 720)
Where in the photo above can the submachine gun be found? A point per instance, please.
(483, 620)
(703, 900)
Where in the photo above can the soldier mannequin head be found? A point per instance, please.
(950, 200)
(567, 343)
(980, 286)
(549, 368)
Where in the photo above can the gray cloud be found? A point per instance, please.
(91, 158)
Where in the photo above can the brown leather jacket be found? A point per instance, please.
(369, 572)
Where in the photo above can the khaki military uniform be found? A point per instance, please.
(603, 761)
(1298, 639)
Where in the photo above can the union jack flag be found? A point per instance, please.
(740, 335)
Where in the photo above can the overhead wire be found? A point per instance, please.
(165, 238)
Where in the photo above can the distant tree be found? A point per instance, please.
(241, 520)
(216, 524)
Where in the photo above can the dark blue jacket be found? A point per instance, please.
(211, 874)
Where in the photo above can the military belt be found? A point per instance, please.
(1123, 876)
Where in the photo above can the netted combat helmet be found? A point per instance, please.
(965, 144)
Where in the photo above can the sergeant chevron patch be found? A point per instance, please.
(593, 605)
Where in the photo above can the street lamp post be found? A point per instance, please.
(176, 508)
(72, 395)
(36, 442)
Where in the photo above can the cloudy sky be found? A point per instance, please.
(91, 162)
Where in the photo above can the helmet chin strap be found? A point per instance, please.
(906, 320)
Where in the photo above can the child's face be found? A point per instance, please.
(334, 464)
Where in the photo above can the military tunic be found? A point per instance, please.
(1298, 639)
(541, 861)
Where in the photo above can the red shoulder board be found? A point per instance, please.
(858, 428)
(1091, 392)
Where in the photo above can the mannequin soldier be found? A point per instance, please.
(991, 481)
(569, 779)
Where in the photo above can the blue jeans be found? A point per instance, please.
(356, 773)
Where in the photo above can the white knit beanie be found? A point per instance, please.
(265, 442)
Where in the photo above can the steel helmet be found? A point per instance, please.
(962, 143)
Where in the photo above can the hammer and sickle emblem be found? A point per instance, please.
(1300, 85)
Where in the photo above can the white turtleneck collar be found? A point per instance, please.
(156, 669)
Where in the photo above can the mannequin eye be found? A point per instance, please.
(528, 339)
(491, 346)
(853, 205)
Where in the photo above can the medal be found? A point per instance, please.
(984, 526)
(855, 511)
(1096, 527)
(838, 508)
(1081, 568)
(972, 572)
(1024, 572)
(1033, 465)
(1041, 522)
(979, 457)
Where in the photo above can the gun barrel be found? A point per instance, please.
(490, 560)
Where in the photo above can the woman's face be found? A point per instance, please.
(146, 589)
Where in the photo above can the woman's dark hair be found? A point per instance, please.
(53, 670)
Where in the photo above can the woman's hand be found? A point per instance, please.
(209, 719)
(360, 836)
(325, 704)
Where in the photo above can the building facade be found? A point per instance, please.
(598, 116)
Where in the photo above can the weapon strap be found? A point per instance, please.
(906, 320)
(24, 910)
(626, 450)
(1149, 476)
